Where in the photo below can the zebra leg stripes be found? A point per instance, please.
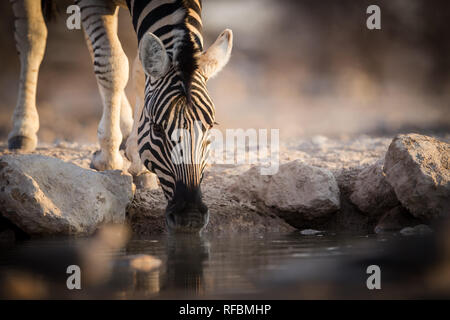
(31, 36)
(99, 20)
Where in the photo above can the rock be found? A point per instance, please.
(419, 230)
(298, 193)
(145, 214)
(349, 217)
(227, 216)
(372, 194)
(44, 195)
(396, 219)
(417, 167)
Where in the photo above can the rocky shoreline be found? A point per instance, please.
(361, 184)
(408, 187)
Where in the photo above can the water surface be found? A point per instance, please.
(240, 266)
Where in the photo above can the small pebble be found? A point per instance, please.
(420, 230)
(310, 232)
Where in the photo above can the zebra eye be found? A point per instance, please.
(158, 130)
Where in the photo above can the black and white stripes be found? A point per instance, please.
(172, 128)
(169, 133)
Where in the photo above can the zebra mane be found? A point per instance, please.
(187, 63)
(181, 34)
(190, 49)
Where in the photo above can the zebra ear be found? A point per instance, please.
(216, 57)
(153, 56)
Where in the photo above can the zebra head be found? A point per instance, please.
(174, 124)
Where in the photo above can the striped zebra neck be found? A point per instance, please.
(178, 24)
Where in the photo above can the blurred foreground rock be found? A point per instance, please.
(47, 196)
(38, 271)
(298, 192)
(418, 169)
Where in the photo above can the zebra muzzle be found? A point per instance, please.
(187, 222)
(187, 217)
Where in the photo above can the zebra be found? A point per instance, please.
(172, 108)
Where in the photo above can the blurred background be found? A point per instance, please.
(306, 67)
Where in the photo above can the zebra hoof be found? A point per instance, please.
(101, 163)
(22, 143)
(148, 181)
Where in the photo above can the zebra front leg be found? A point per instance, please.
(99, 19)
(31, 37)
(138, 81)
(132, 153)
(126, 119)
(141, 176)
